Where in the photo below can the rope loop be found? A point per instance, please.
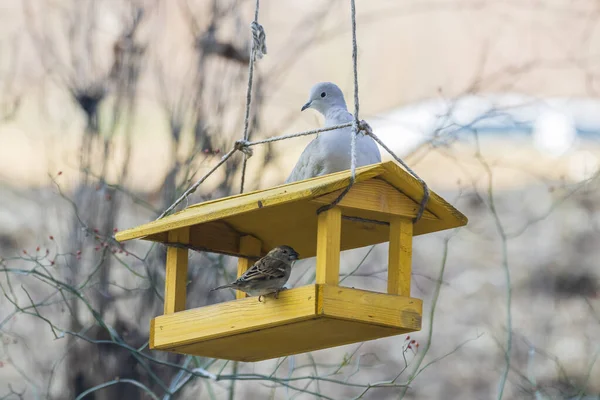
(259, 40)
(244, 146)
(364, 128)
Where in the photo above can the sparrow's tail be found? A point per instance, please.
(222, 287)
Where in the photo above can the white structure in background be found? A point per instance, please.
(554, 132)
(555, 127)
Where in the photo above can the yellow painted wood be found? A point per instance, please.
(249, 246)
(329, 230)
(293, 201)
(297, 227)
(400, 256)
(176, 273)
(449, 217)
(302, 319)
(377, 196)
(233, 317)
(290, 339)
(151, 338)
(370, 307)
(246, 202)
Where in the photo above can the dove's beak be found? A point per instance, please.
(307, 105)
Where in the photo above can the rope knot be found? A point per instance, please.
(259, 45)
(244, 147)
(364, 128)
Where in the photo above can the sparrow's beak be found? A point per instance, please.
(307, 105)
(294, 256)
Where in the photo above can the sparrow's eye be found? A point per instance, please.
(323, 94)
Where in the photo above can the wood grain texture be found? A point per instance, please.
(369, 307)
(400, 256)
(449, 217)
(377, 196)
(249, 246)
(233, 317)
(176, 272)
(329, 230)
(251, 201)
(288, 339)
(294, 203)
(302, 319)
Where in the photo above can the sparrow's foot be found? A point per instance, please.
(279, 290)
(260, 298)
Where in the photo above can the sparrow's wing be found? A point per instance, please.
(266, 268)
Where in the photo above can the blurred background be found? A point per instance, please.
(110, 109)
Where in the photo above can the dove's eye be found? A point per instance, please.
(323, 94)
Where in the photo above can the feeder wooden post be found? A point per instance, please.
(176, 274)
(329, 230)
(249, 246)
(400, 256)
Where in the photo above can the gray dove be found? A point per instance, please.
(330, 151)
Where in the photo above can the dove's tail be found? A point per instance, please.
(229, 285)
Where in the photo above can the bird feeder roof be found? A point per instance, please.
(287, 214)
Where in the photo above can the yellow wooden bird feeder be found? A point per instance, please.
(310, 317)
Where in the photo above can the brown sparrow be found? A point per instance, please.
(267, 275)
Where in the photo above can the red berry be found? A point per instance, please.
(24, 251)
(59, 173)
(78, 252)
(115, 230)
(51, 237)
(37, 248)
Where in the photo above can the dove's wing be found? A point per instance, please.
(331, 151)
(267, 268)
(309, 164)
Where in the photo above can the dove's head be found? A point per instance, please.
(284, 253)
(325, 96)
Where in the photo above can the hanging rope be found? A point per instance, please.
(356, 101)
(366, 128)
(193, 188)
(354, 120)
(258, 50)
